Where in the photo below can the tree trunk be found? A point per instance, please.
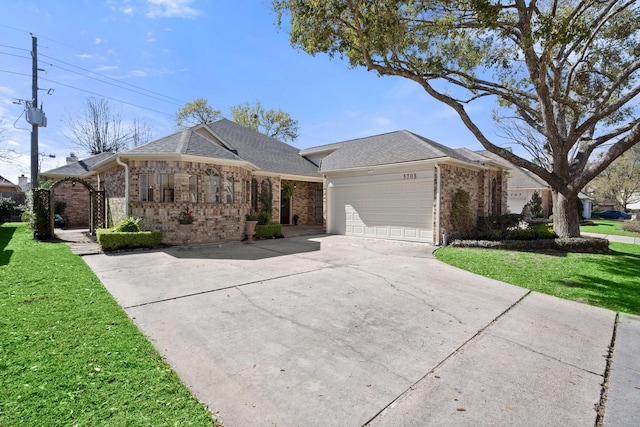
(566, 219)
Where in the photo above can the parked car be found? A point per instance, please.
(58, 221)
(613, 215)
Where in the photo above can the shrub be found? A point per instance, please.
(496, 227)
(573, 244)
(59, 207)
(535, 205)
(461, 216)
(268, 231)
(633, 226)
(109, 239)
(253, 216)
(264, 218)
(128, 225)
(531, 234)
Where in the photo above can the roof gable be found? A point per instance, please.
(79, 168)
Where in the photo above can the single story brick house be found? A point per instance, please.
(397, 185)
(400, 186)
(215, 170)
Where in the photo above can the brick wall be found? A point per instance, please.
(486, 198)
(77, 198)
(304, 203)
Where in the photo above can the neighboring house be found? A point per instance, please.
(400, 186)
(521, 186)
(217, 171)
(7, 186)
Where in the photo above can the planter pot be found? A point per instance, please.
(183, 233)
(250, 229)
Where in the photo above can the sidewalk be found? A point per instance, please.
(614, 238)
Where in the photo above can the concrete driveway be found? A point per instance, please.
(331, 330)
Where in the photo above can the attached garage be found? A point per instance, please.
(396, 206)
(399, 186)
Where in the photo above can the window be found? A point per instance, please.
(146, 187)
(166, 187)
(193, 188)
(212, 186)
(229, 187)
(247, 191)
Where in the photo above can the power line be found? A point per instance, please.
(107, 97)
(117, 85)
(15, 72)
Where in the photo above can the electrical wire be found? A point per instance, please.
(118, 85)
(106, 97)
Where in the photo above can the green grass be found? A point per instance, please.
(69, 355)
(608, 226)
(609, 281)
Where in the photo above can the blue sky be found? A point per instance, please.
(158, 54)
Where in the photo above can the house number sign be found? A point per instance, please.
(408, 176)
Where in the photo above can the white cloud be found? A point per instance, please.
(6, 91)
(103, 68)
(137, 73)
(99, 41)
(84, 56)
(171, 9)
(150, 37)
(127, 10)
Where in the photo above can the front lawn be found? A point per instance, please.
(608, 226)
(609, 281)
(69, 355)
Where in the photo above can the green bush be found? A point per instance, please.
(531, 234)
(109, 239)
(268, 231)
(264, 218)
(573, 244)
(461, 216)
(128, 225)
(495, 227)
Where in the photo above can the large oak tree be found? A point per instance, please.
(565, 73)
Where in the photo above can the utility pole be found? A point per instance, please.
(34, 104)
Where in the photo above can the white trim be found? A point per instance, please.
(126, 184)
(437, 213)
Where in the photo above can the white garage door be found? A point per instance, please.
(397, 211)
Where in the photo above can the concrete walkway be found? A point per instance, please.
(331, 330)
(614, 238)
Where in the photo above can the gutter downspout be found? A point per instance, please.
(126, 185)
(437, 205)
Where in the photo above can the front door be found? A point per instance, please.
(285, 210)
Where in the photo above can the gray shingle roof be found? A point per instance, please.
(187, 142)
(389, 148)
(269, 154)
(79, 168)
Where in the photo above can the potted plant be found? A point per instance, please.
(295, 219)
(287, 190)
(185, 220)
(250, 225)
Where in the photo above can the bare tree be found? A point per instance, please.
(99, 128)
(140, 133)
(7, 155)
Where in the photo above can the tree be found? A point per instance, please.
(6, 154)
(197, 112)
(99, 128)
(273, 123)
(621, 179)
(567, 71)
(140, 133)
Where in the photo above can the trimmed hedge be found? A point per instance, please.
(268, 231)
(574, 244)
(112, 240)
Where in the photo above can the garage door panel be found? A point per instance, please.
(399, 211)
